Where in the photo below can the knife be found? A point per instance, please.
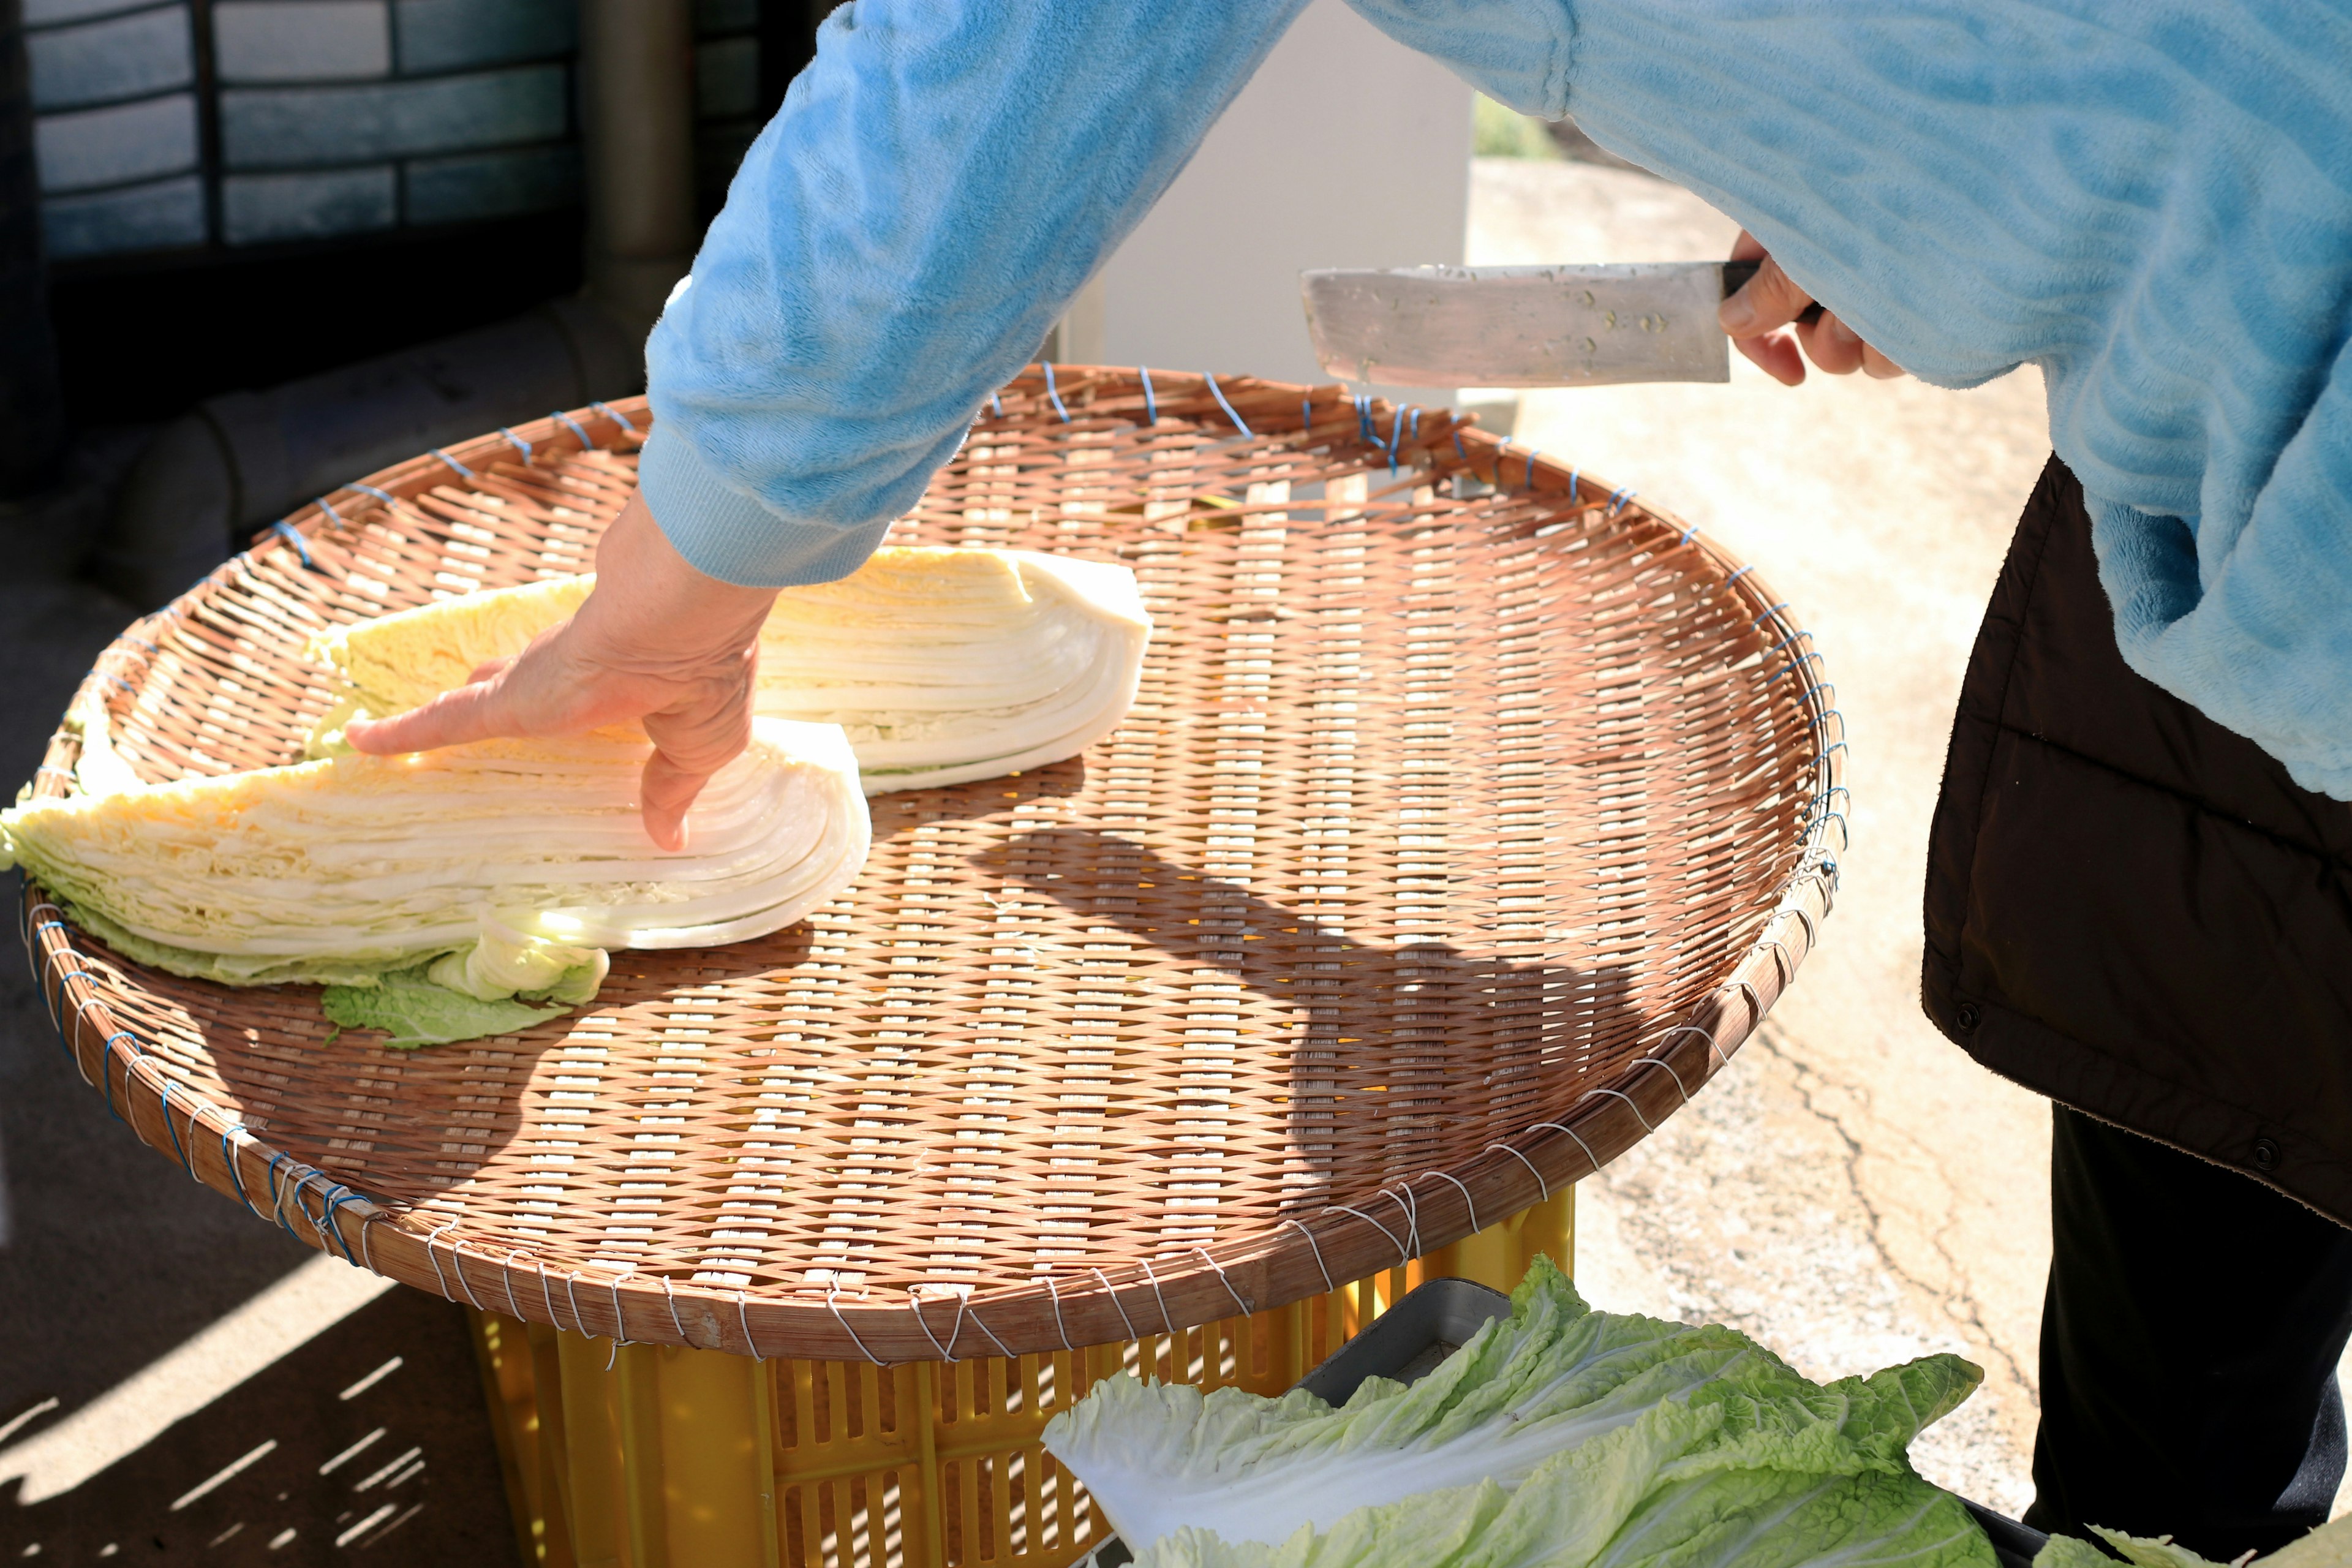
(1525, 326)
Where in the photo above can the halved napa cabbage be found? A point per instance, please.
(941, 664)
(487, 872)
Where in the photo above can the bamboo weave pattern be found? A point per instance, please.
(1469, 817)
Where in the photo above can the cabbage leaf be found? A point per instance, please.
(413, 1011)
(1553, 1377)
(940, 665)
(477, 874)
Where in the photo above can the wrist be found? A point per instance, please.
(651, 599)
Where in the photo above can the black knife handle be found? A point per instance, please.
(1736, 274)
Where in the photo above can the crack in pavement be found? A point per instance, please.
(1958, 1303)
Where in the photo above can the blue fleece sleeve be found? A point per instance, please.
(2149, 199)
(941, 182)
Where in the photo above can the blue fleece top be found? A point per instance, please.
(2149, 199)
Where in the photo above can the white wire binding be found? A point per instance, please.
(571, 1294)
(945, 1355)
(1167, 1323)
(458, 1257)
(1541, 1185)
(1412, 1214)
(619, 1325)
(432, 1256)
(1754, 1000)
(1061, 1328)
(833, 1289)
(743, 1316)
(1403, 1256)
(507, 1274)
(620, 1319)
(1721, 1060)
(670, 1296)
(367, 1253)
(991, 1337)
(1657, 1062)
(1619, 1094)
(1467, 1201)
(547, 1294)
(1556, 1127)
(1228, 1284)
(1124, 1321)
(1321, 1266)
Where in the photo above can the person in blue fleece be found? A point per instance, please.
(2140, 889)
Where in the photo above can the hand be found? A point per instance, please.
(1769, 301)
(656, 641)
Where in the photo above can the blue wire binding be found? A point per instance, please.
(996, 405)
(1151, 399)
(615, 417)
(1247, 431)
(1617, 501)
(1054, 395)
(518, 443)
(327, 1224)
(1688, 534)
(384, 496)
(1306, 414)
(320, 503)
(463, 471)
(1364, 420)
(1396, 438)
(571, 425)
(1529, 482)
(293, 536)
(177, 1147)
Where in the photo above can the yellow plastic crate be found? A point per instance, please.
(690, 1458)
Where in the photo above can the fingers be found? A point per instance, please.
(469, 714)
(1764, 319)
(662, 796)
(1769, 301)
(1832, 345)
(700, 732)
(1755, 313)
(1776, 355)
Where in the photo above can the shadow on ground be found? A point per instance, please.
(110, 1257)
(347, 1445)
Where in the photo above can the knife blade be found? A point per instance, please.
(1564, 325)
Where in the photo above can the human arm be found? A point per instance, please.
(939, 182)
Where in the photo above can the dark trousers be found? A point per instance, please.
(2188, 1348)
(2136, 912)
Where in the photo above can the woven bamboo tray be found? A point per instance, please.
(1470, 817)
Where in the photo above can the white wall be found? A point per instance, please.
(1347, 150)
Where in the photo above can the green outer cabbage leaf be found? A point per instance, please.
(1554, 1376)
(414, 1012)
(1602, 1505)
(2329, 1546)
